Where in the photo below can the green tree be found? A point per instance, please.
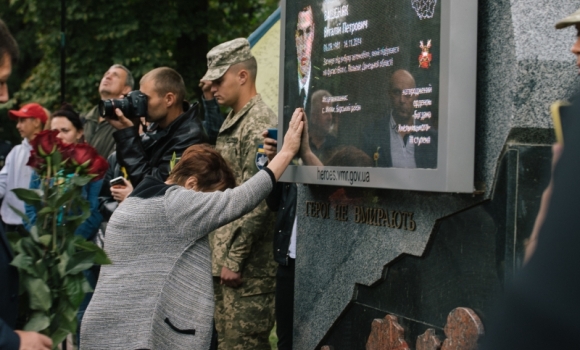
(140, 34)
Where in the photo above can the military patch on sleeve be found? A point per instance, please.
(261, 157)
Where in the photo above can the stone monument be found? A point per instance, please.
(365, 254)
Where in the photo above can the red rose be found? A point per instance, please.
(66, 150)
(36, 162)
(45, 142)
(81, 154)
(98, 167)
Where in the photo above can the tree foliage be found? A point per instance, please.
(140, 34)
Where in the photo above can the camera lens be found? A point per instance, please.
(106, 108)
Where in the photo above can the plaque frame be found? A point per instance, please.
(457, 112)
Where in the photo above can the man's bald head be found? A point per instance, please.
(402, 103)
(403, 77)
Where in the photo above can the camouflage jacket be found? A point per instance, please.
(246, 244)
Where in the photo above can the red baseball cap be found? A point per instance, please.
(30, 110)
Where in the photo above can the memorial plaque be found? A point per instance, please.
(355, 261)
(375, 80)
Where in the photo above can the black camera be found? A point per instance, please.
(133, 105)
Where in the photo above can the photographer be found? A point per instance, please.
(175, 125)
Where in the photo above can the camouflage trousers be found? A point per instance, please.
(243, 321)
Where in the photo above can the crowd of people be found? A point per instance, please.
(191, 242)
(203, 249)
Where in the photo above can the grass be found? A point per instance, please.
(273, 339)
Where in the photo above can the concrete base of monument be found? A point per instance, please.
(463, 259)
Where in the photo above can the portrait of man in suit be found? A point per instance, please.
(304, 41)
(394, 141)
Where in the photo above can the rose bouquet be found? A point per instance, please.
(49, 257)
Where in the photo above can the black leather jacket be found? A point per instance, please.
(107, 204)
(151, 153)
(283, 199)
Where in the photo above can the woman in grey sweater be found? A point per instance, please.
(158, 292)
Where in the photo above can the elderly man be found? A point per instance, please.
(390, 140)
(116, 81)
(320, 125)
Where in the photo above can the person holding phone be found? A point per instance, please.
(120, 188)
(116, 187)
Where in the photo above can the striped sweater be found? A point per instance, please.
(158, 292)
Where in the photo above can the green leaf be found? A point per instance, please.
(39, 294)
(64, 258)
(26, 245)
(74, 289)
(34, 233)
(38, 322)
(87, 286)
(66, 309)
(59, 335)
(46, 210)
(19, 213)
(41, 270)
(68, 325)
(24, 262)
(172, 162)
(65, 197)
(80, 262)
(100, 255)
(45, 240)
(56, 160)
(27, 196)
(82, 207)
(81, 180)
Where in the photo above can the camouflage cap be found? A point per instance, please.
(223, 56)
(569, 21)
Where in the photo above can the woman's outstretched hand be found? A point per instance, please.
(293, 137)
(291, 144)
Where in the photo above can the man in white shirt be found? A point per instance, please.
(15, 173)
(397, 140)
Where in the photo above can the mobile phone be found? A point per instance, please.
(560, 117)
(273, 133)
(117, 181)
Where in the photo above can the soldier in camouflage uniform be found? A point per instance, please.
(242, 262)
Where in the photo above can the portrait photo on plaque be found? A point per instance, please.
(368, 75)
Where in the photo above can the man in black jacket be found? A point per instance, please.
(10, 339)
(175, 126)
